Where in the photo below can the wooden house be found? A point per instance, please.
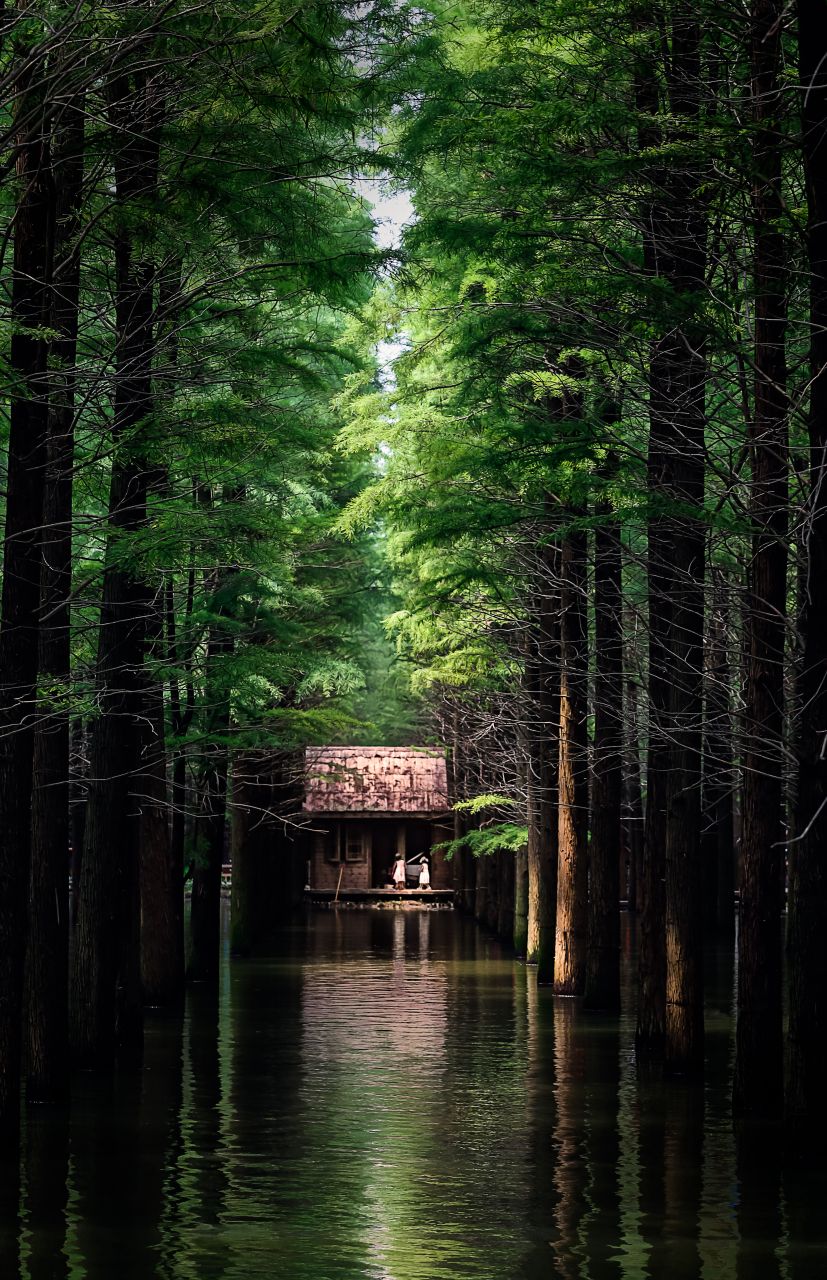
(368, 805)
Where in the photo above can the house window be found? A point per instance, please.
(348, 845)
(354, 844)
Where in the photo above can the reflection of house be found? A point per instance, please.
(367, 806)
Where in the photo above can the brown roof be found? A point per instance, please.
(375, 780)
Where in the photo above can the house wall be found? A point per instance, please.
(382, 838)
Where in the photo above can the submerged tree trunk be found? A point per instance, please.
(573, 778)
(807, 953)
(48, 958)
(26, 467)
(603, 961)
(759, 1044)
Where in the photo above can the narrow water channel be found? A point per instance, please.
(391, 1098)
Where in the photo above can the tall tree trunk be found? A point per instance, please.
(26, 467)
(48, 958)
(651, 1001)
(807, 954)
(573, 777)
(670, 1008)
(543, 689)
(105, 984)
(684, 356)
(603, 961)
(759, 1042)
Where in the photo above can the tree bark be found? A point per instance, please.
(573, 780)
(670, 1002)
(106, 999)
(19, 604)
(603, 960)
(759, 1037)
(48, 958)
(807, 954)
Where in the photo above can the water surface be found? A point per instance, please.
(391, 1098)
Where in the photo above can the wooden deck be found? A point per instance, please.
(380, 897)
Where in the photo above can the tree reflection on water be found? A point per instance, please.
(390, 1096)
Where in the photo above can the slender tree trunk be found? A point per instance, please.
(718, 835)
(603, 961)
(684, 354)
(26, 466)
(651, 1001)
(205, 918)
(481, 866)
(181, 714)
(520, 931)
(634, 801)
(106, 982)
(77, 811)
(48, 959)
(456, 781)
(759, 1043)
(162, 888)
(807, 1045)
(573, 779)
(505, 919)
(492, 903)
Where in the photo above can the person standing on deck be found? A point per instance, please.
(425, 875)
(399, 874)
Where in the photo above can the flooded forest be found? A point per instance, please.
(413, 640)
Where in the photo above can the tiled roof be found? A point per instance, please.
(375, 780)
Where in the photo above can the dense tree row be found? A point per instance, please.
(605, 491)
(184, 258)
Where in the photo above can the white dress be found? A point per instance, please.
(399, 872)
(424, 877)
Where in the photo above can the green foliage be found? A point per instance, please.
(505, 837)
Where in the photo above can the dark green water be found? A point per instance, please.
(393, 1099)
